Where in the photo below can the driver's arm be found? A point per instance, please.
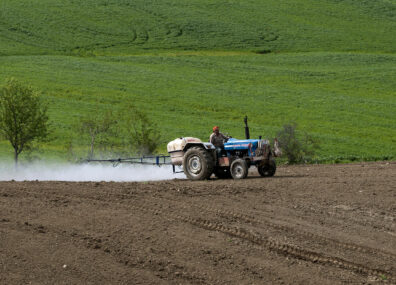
(211, 139)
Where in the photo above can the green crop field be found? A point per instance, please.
(328, 65)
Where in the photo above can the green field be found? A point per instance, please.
(328, 65)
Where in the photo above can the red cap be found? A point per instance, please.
(215, 128)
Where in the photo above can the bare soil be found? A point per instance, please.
(315, 224)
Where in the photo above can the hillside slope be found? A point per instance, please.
(124, 27)
(328, 65)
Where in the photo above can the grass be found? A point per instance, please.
(333, 96)
(383, 277)
(327, 65)
(125, 27)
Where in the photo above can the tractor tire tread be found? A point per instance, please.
(207, 163)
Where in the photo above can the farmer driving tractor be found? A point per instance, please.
(218, 140)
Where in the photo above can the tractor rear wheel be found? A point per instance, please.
(239, 169)
(198, 164)
(268, 169)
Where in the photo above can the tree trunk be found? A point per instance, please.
(92, 146)
(16, 154)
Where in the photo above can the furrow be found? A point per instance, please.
(272, 245)
(266, 222)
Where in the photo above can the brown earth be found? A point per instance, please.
(319, 224)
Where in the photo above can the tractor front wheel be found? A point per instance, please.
(239, 169)
(268, 169)
(198, 164)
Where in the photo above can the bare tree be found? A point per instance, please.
(141, 134)
(98, 127)
(23, 116)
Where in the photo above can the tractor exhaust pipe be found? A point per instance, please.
(247, 135)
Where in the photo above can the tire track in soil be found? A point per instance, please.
(48, 196)
(250, 219)
(266, 243)
(275, 246)
(263, 221)
(92, 241)
(161, 268)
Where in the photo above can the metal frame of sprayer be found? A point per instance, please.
(158, 160)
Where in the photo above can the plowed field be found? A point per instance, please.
(320, 224)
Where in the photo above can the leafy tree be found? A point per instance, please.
(99, 128)
(23, 116)
(295, 148)
(141, 134)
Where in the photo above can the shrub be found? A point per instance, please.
(297, 148)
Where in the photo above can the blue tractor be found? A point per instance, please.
(201, 159)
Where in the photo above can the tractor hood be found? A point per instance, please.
(254, 148)
(235, 144)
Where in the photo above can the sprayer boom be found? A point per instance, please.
(148, 160)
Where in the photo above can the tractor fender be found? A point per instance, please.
(204, 145)
(179, 146)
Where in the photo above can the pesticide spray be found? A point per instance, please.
(86, 172)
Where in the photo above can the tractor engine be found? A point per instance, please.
(251, 148)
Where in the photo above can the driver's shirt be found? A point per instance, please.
(217, 140)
